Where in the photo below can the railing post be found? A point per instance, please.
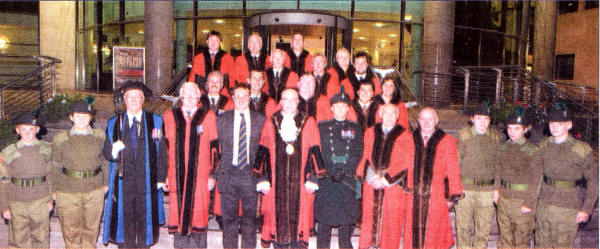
(1, 105)
(53, 78)
(467, 74)
(582, 94)
(588, 129)
(515, 89)
(42, 77)
(498, 86)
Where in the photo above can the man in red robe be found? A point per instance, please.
(191, 132)
(212, 59)
(436, 185)
(360, 73)
(255, 58)
(279, 77)
(214, 99)
(387, 162)
(297, 58)
(289, 166)
(259, 100)
(327, 83)
(313, 104)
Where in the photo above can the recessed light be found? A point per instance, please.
(141, 32)
(378, 24)
(383, 41)
(3, 43)
(355, 30)
(407, 17)
(219, 21)
(362, 38)
(237, 35)
(393, 35)
(205, 31)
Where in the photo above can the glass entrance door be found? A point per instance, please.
(323, 33)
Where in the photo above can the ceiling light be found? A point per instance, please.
(219, 21)
(393, 35)
(383, 41)
(407, 17)
(355, 30)
(141, 32)
(3, 43)
(378, 24)
(362, 38)
(237, 35)
(205, 31)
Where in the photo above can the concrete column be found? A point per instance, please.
(158, 35)
(438, 41)
(416, 43)
(57, 39)
(180, 36)
(544, 38)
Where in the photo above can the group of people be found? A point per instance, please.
(304, 146)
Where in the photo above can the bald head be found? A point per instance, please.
(289, 101)
(428, 120)
(389, 115)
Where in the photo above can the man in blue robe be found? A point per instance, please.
(137, 170)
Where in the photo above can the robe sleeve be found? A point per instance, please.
(210, 129)
(365, 161)
(314, 167)
(107, 148)
(292, 81)
(333, 86)
(402, 161)
(197, 67)
(453, 183)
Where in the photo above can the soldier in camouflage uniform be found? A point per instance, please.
(520, 181)
(25, 185)
(80, 176)
(478, 161)
(565, 160)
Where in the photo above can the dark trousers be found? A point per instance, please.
(194, 240)
(134, 221)
(344, 236)
(240, 187)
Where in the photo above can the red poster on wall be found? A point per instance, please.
(128, 65)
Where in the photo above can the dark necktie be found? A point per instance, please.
(213, 104)
(277, 79)
(255, 61)
(318, 79)
(212, 59)
(242, 145)
(189, 115)
(255, 100)
(134, 134)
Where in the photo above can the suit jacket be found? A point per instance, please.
(226, 127)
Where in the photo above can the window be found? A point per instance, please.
(590, 4)
(565, 65)
(567, 6)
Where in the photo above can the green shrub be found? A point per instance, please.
(7, 133)
(57, 107)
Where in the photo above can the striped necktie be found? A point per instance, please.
(242, 145)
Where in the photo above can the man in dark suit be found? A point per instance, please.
(239, 133)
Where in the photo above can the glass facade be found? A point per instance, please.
(378, 27)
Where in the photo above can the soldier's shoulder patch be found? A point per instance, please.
(582, 149)
(11, 148)
(99, 133)
(464, 134)
(60, 137)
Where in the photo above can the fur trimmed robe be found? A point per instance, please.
(436, 181)
(288, 207)
(193, 156)
(383, 210)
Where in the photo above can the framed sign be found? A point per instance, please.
(128, 65)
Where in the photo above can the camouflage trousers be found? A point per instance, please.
(79, 215)
(477, 207)
(516, 229)
(29, 225)
(555, 226)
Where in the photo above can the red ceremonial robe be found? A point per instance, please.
(223, 63)
(383, 211)
(299, 64)
(286, 76)
(402, 111)
(265, 105)
(328, 85)
(436, 180)
(243, 68)
(352, 81)
(287, 209)
(193, 150)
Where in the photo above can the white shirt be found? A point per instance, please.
(188, 113)
(237, 118)
(276, 72)
(213, 99)
(361, 76)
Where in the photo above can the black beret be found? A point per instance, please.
(340, 97)
(482, 109)
(28, 118)
(518, 117)
(559, 115)
(81, 107)
(130, 85)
